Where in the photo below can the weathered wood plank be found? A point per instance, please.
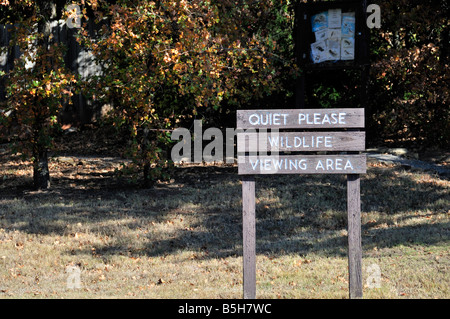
(302, 164)
(354, 236)
(249, 236)
(301, 118)
(301, 141)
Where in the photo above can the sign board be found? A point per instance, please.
(302, 164)
(332, 34)
(333, 130)
(301, 141)
(301, 118)
(276, 141)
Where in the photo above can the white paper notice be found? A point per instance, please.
(334, 18)
(321, 35)
(334, 49)
(347, 48)
(333, 33)
(319, 52)
(348, 24)
(319, 21)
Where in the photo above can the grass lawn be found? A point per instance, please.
(182, 239)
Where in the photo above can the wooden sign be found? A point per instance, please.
(301, 141)
(254, 160)
(302, 164)
(301, 118)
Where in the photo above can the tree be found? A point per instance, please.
(410, 73)
(164, 60)
(38, 83)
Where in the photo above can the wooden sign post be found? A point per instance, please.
(253, 159)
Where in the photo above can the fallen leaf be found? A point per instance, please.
(160, 281)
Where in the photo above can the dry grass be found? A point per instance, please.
(183, 239)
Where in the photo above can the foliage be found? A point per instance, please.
(165, 63)
(410, 73)
(162, 61)
(37, 85)
(35, 95)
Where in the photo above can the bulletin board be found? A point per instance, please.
(332, 34)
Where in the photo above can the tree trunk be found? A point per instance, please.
(41, 174)
(148, 181)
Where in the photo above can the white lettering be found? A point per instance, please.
(277, 163)
(348, 165)
(254, 165)
(319, 165)
(338, 165)
(302, 164)
(267, 165)
(276, 119)
(317, 118)
(322, 119)
(273, 141)
(264, 121)
(304, 142)
(253, 122)
(334, 119)
(287, 143)
(274, 164)
(329, 164)
(319, 140)
(300, 141)
(328, 141)
(268, 119)
(326, 119)
(301, 118)
(293, 164)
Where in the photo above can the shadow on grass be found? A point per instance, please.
(201, 211)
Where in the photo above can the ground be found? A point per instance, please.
(182, 237)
